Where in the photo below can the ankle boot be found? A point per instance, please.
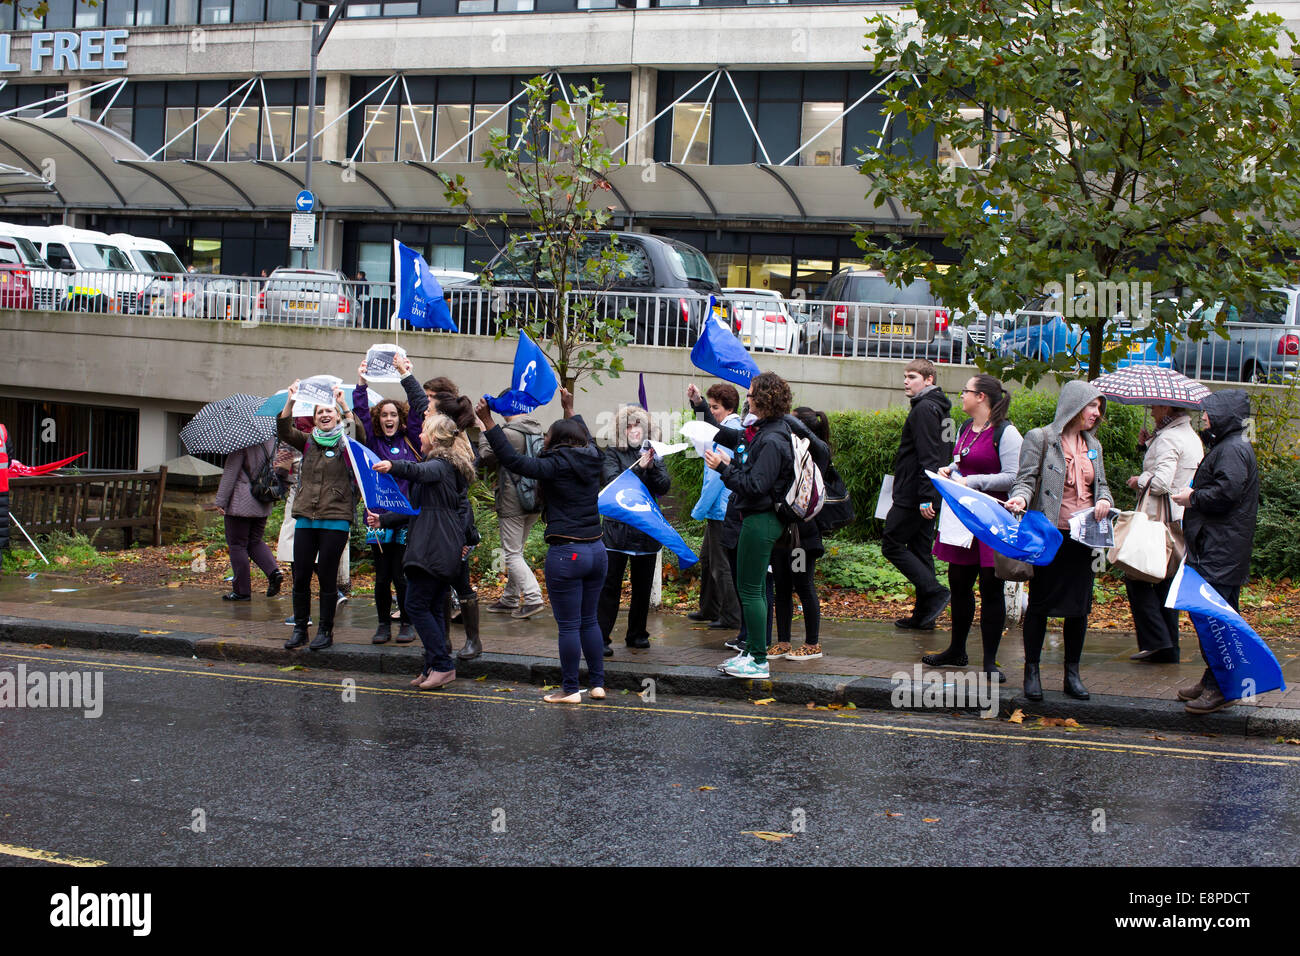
(1073, 685)
(324, 638)
(383, 633)
(274, 582)
(469, 614)
(1033, 686)
(405, 632)
(297, 639)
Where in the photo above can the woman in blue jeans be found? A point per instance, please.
(569, 473)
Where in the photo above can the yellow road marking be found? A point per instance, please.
(1276, 760)
(48, 856)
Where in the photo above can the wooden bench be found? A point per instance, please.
(86, 503)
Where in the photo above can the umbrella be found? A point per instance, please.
(226, 426)
(274, 405)
(1150, 385)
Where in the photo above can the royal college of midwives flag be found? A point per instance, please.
(419, 295)
(1033, 539)
(628, 500)
(1243, 665)
(720, 353)
(379, 492)
(533, 383)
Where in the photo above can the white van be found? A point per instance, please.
(88, 271)
(27, 251)
(149, 255)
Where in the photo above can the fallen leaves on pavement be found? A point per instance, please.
(1069, 722)
(764, 701)
(768, 835)
(1017, 717)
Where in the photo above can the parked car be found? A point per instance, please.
(1263, 343)
(307, 297)
(764, 320)
(662, 290)
(863, 313)
(1040, 331)
(97, 274)
(15, 278)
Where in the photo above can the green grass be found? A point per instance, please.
(76, 548)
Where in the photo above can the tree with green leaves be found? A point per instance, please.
(555, 164)
(1089, 146)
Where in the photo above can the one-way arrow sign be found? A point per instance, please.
(305, 202)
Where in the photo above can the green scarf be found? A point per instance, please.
(327, 439)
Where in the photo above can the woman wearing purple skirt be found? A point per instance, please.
(986, 457)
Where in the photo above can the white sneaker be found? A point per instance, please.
(730, 661)
(749, 670)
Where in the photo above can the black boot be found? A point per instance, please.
(469, 614)
(298, 638)
(383, 633)
(405, 632)
(1073, 685)
(1033, 686)
(273, 583)
(324, 638)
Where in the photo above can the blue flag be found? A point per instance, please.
(720, 353)
(1032, 539)
(627, 499)
(533, 383)
(419, 295)
(379, 492)
(1242, 664)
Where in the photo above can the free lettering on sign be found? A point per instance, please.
(65, 50)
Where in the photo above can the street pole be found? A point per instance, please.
(318, 37)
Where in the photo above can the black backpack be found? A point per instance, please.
(529, 490)
(267, 486)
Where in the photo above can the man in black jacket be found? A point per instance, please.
(1219, 520)
(910, 525)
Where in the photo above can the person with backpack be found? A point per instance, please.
(569, 470)
(758, 474)
(438, 537)
(518, 505)
(908, 535)
(245, 521)
(627, 547)
(986, 457)
(795, 562)
(323, 509)
(392, 430)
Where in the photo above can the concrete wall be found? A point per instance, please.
(164, 365)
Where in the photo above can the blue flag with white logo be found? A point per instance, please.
(379, 492)
(720, 353)
(1242, 663)
(419, 294)
(1032, 539)
(533, 383)
(628, 500)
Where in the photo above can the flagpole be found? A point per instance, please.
(29, 538)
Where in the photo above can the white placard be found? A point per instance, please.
(951, 530)
(380, 366)
(886, 499)
(700, 434)
(317, 390)
(302, 230)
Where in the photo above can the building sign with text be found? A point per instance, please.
(60, 50)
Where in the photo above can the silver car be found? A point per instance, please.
(308, 297)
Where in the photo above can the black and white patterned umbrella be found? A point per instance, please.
(226, 426)
(1151, 385)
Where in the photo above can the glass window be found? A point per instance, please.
(149, 13)
(278, 121)
(25, 19)
(375, 259)
(476, 6)
(679, 3)
(483, 136)
(57, 256)
(514, 6)
(968, 156)
(300, 127)
(596, 4)
(118, 119)
(692, 263)
(417, 133)
(211, 128)
(183, 11)
(179, 117)
(85, 15)
(691, 124)
(825, 149)
(159, 261)
(452, 124)
(380, 134)
(249, 11)
(214, 11)
(120, 13)
(362, 10)
(59, 14)
(612, 132)
(206, 256)
(96, 255)
(282, 10)
(242, 138)
(447, 257)
(401, 9)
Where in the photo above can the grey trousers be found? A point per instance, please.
(521, 584)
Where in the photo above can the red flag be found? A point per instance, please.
(19, 470)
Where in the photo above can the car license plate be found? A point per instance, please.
(719, 311)
(1137, 348)
(313, 306)
(4, 277)
(745, 339)
(893, 329)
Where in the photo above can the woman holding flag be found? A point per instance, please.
(323, 508)
(625, 545)
(1061, 473)
(569, 471)
(393, 433)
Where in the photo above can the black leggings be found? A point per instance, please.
(993, 609)
(388, 570)
(786, 581)
(316, 551)
(1035, 629)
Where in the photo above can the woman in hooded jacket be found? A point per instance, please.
(569, 473)
(438, 536)
(625, 545)
(1060, 474)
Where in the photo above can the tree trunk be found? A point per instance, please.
(1098, 336)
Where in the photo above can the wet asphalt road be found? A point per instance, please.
(286, 771)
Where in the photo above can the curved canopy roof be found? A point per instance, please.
(95, 168)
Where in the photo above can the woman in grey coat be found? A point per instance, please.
(245, 518)
(1061, 473)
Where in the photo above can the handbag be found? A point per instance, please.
(837, 511)
(268, 485)
(1009, 569)
(1141, 546)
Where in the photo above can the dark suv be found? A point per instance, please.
(662, 290)
(863, 313)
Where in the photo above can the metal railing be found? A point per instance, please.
(1250, 353)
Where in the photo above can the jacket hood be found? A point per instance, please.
(933, 393)
(1228, 411)
(1075, 397)
(628, 415)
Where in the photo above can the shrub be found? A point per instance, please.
(1276, 551)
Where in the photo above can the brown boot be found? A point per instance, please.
(1211, 699)
(1192, 691)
